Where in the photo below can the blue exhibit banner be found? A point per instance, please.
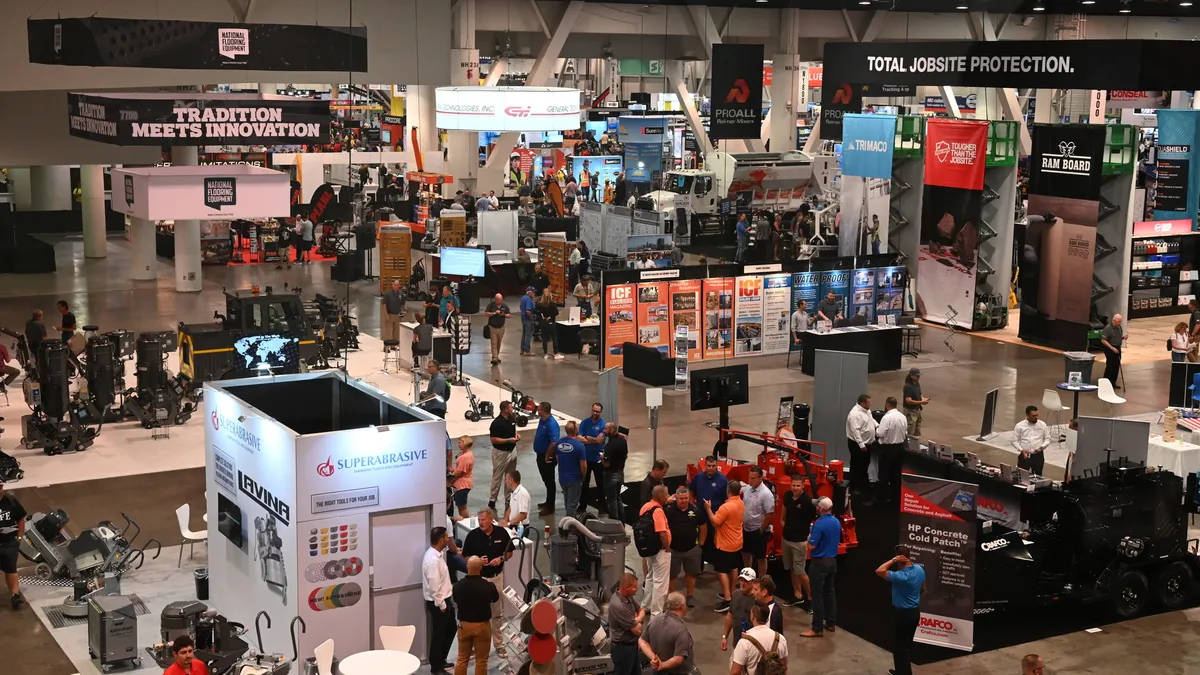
(837, 281)
(643, 162)
(862, 303)
(805, 286)
(1178, 184)
(867, 143)
(889, 290)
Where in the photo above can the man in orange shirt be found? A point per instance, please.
(186, 662)
(658, 566)
(728, 524)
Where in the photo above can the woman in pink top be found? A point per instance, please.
(464, 479)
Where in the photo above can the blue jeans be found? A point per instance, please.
(527, 336)
(613, 480)
(625, 659)
(821, 573)
(571, 493)
(740, 256)
(1178, 357)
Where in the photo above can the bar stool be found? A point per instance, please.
(391, 355)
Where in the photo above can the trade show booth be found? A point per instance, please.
(321, 494)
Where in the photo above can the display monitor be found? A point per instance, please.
(463, 262)
(230, 522)
(717, 387)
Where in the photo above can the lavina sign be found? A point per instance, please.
(257, 122)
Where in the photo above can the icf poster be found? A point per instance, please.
(863, 300)
(837, 281)
(805, 286)
(654, 316)
(889, 293)
(718, 318)
(619, 309)
(777, 297)
(748, 337)
(685, 311)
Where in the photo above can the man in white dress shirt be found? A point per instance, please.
(518, 501)
(860, 434)
(892, 435)
(435, 585)
(1031, 437)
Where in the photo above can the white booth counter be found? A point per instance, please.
(441, 343)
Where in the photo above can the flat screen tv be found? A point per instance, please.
(716, 387)
(463, 262)
(229, 521)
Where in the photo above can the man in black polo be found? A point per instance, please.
(687, 530)
(393, 312)
(829, 309)
(497, 313)
(68, 327)
(494, 545)
(504, 437)
(12, 529)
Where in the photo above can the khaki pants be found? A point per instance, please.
(497, 338)
(502, 463)
(391, 326)
(498, 613)
(914, 421)
(473, 638)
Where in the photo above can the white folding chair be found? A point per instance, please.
(1107, 393)
(1052, 403)
(397, 638)
(324, 654)
(190, 537)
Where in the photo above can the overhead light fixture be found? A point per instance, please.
(1185, 4)
(1088, 2)
(1039, 8)
(961, 7)
(864, 2)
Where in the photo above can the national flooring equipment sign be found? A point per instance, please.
(146, 119)
(937, 523)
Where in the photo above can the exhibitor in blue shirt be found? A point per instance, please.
(825, 537)
(567, 451)
(714, 489)
(592, 429)
(547, 434)
(906, 586)
(442, 311)
(528, 310)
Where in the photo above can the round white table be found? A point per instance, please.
(379, 662)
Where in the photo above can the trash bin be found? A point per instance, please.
(201, 576)
(1080, 362)
(801, 412)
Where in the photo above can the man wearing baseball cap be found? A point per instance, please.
(908, 582)
(529, 319)
(737, 619)
(914, 402)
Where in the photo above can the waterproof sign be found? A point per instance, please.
(937, 524)
(867, 142)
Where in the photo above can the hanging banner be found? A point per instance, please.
(777, 312)
(718, 318)
(196, 45)
(865, 206)
(950, 216)
(889, 292)
(685, 312)
(197, 119)
(737, 73)
(1059, 243)
(748, 337)
(937, 524)
(643, 162)
(867, 142)
(837, 281)
(862, 303)
(806, 286)
(1136, 99)
(1177, 184)
(620, 307)
(654, 316)
(838, 100)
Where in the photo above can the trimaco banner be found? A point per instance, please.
(155, 119)
(867, 142)
(937, 524)
(736, 91)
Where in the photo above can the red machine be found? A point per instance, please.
(785, 458)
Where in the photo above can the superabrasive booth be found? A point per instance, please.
(321, 493)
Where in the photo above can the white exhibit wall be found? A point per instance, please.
(250, 460)
(498, 229)
(201, 193)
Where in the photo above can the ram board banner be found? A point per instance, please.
(250, 474)
(654, 316)
(867, 143)
(862, 302)
(718, 317)
(196, 119)
(865, 206)
(837, 281)
(737, 74)
(955, 158)
(777, 313)
(748, 324)
(889, 291)
(1066, 171)
(937, 524)
(839, 99)
(806, 286)
(620, 325)
(685, 312)
(196, 45)
(1177, 184)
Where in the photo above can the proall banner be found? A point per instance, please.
(736, 91)
(199, 119)
(955, 153)
(1059, 243)
(196, 45)
(838, 99)
(867, 142)
(937, 524)
(1177, 181)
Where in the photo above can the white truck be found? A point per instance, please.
(768, 180)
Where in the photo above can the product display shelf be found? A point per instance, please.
(553, 252)
(453, 229)
(395, 255)
(1111, 264)
(1163, 274)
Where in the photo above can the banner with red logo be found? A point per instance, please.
(736, 91)
(654, 316)
(937, 524)
(620, 326)
(718, 318)
(749, 321)
(955, 153)
(685, 311)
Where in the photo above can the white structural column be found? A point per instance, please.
(462, 160)
(984, 30)
(491, 175)
(1179, 99)
(1043, 106)
(19, 187)
(679, 88)
(420, 109)
(187, 234)
(141, 240)
(50, 188)
(91, 183)
(785, 84)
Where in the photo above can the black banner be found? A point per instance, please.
(837, 99)
(1067, 161)
(736, 91)
(1172, 177)
(147, 119)
(196, 45)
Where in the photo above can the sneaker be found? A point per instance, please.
(545, 356)
(17, 601)
(559, 357)
(722, 606)
(795, 602)
(492, 505)
(691, 602)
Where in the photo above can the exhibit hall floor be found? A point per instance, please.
(957, 382)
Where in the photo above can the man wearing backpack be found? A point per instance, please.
(761, 651)
(652, 537)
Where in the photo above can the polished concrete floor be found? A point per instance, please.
(956, 377)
